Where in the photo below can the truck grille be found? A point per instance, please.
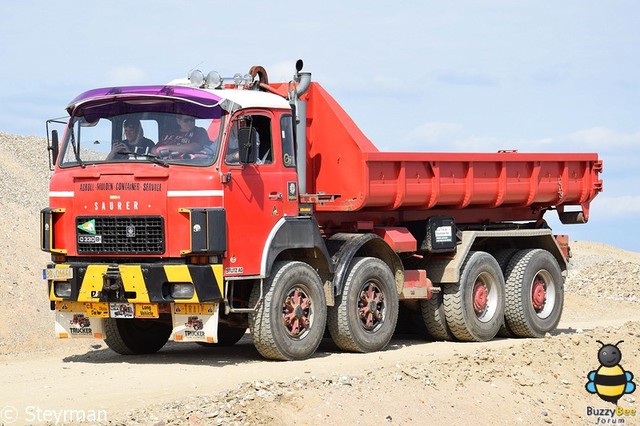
(120, 235)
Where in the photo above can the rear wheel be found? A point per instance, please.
(137, 336)
(290, 321)
(503, 257)
(365, 314)
(434, 318)
(534, 292)
(474, 307)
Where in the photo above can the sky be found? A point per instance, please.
(463, 76)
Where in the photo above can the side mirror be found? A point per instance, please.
(247, 145)
(54, 147)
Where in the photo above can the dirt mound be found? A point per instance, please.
(25, 320)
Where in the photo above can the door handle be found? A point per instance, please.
(275, 196)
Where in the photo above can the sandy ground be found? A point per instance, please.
(505, 381)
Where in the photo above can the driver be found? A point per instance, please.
(134, 141)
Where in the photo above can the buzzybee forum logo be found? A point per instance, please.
(610, 381)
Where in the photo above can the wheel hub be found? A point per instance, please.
(370, 306)
(538, 295)
(480, 295)
(296, 312)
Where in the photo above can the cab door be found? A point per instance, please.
(256, 195)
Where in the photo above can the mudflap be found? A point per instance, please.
(195, 322)
(72, 324)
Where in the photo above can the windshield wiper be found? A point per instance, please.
(154, 158)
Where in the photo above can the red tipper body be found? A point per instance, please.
(193, 210)
(475, 187)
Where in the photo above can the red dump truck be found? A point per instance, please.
(262, 205)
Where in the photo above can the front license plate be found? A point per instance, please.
(58, 273)
(121, 310)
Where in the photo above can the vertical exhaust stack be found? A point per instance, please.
(302, 82)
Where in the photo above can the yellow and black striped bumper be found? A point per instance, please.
(143, 283)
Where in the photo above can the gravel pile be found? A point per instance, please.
(24, 168)
(25, 172)
(608, 279)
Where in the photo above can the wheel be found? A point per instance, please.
(503, 257)
(434, 318)
(290, 321)
(365, 314)
(137, 336)
(534, 293)
(227, 336)
(474, 307)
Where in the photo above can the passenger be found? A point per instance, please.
(189, 139)
(233, 149)
(134, 141)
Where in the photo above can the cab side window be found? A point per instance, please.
(288, 144)
(256, 127)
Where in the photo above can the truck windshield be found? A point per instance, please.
(160, 137)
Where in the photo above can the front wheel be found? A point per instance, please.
(290, 321)
(365, 314)
(137, 336)
(535, 293)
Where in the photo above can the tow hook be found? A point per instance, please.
(112, 286)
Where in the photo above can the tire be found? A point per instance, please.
(503, 257)
(227, 336)
(533, 271)
(293, 290)
(366, 313)
(137, 336)
(481, 282)
(434, 318)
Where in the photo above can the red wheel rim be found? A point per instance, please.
(296, 312)
(479, 297)
(538, 294)
(370, 306)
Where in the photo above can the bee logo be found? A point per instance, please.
(610, 381)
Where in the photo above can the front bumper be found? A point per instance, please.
(141, 283)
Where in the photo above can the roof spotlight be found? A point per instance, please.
(247, 79)
(213, 80)
(196, 77)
